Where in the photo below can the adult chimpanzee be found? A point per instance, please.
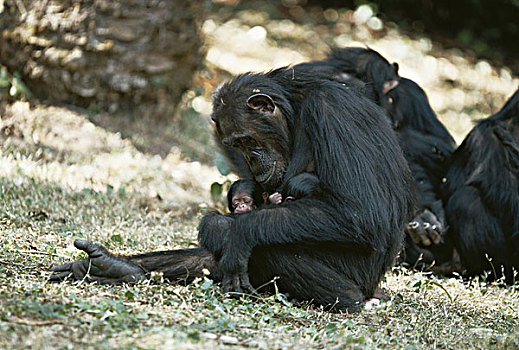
(331, 247)
(427, 146)
(482, 194)
(426, 143)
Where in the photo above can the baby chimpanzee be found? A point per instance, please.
(245, 195)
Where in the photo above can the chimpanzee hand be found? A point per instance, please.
(236, 284)
(234, 264)
(101, 266)
(425, 229)
(275, 198)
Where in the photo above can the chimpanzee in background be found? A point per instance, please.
(481, 189)
(368, 66)
(426, 143)
(427, 146)
(331, 247)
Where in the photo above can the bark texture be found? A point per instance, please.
(136, 55)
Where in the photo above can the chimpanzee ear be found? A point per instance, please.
(389, 85)
(395, 67)
(262, 103)
(265, 196)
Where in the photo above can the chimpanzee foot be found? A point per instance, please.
(425, 229)
(101, 266)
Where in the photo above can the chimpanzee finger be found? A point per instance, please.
(426, 241)
(428, 216)
(433, 235)
(412, 229)
(231, 286)
(59, 277)
(226, 284)
(417, 233)
(246, 285)
(91, 249)
(61, 268)
(236, 285)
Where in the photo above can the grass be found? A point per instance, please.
(39, 220)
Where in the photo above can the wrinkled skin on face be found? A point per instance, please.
(242, 203)
(253, 124)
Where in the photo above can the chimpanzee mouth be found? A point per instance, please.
(265, 177)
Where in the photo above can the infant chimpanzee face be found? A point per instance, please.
(242, 203)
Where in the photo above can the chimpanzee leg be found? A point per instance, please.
(317, 275)
(306, 276)
(183, 265)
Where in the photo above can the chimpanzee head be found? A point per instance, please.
(370, 67)
(249, 115)
(243, 196)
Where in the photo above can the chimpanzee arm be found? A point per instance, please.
(303, 221)
(302, 157)
(427, 157)
(213, 231)
(427, 226)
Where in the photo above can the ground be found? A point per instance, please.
(65, 175)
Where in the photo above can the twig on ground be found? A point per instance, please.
(35, 252)
(34, 322)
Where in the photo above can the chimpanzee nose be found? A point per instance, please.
(237, 140)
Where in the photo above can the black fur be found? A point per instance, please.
(327, 128)
(482, 194)
(427, 146)
(426, 143)
(301, 186)
(366, 65)
(214, 227)
(331, 247)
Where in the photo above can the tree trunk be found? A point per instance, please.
(109, 55)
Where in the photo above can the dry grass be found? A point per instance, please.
(40, 219)
(62, 177)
